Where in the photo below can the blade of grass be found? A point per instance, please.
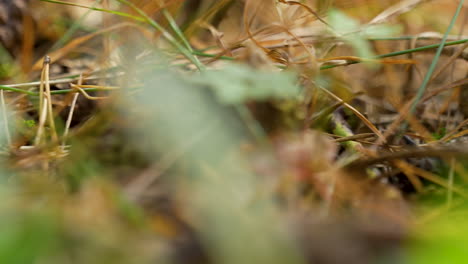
(306, 7)
(54, 56)
(402, 52)
(326, 67)
(438, 180)
(144, 18)
(207, 15)
(356, 112)
(449, 62)
(12, 89)
(433, 65)
(427, 78)
(406, 168)
(180, 34)
(165, 34)
(395, 10)
(176, 29)
(118, 13)
(5, 118)
(73, 28)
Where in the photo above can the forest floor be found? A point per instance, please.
(205, 131)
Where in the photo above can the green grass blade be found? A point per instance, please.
(12, 89)
(165, 34)
(178, 31)
(402, 52)
(74, 27)
(433, 65)
(433, 46)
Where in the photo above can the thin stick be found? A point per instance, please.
(41, 88)
(417, 152)
(450, 134)
(42, 119)
(85, 94)
(354, 137)
(42, 105)
(58, 81)
(122, 14)
(49, 99)
(357, 113)
(5, 119)
(70, 114)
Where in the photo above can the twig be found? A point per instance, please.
(85, 94)
(40, 127)
(354, 137)
(49, 99)
(70, 114)
(5, 119)
(419, 152)
(357, 113)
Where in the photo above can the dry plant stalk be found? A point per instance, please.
(5, 118)
(70, 114)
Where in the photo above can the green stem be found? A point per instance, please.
(64, 91)
(74, 27)
(326, 67)
(165, 34)
(433, 65)
(402, 52)
(180, 34)
(12, 89)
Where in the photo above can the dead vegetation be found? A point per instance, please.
(226, 131)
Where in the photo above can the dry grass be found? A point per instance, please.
(234, 131)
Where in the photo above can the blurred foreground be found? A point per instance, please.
(233, 132)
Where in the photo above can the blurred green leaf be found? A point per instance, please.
(6, 123)
(25, 238)
(30, 123)
(239, 83)
(382, 31)
(443, 241)
(349, 29)
(206, 134)
(7, 66)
